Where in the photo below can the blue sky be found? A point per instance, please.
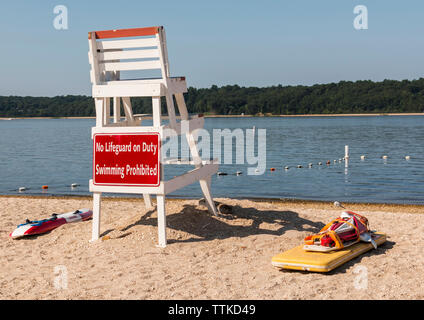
(249, 43)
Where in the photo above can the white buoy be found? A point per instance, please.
(335, 161)
(346, 157)
(286, 168)
(21, 189)
(362, 157)
(299, 166)
(385, 157)
(74, 185)
(310, 165)
(238, 173)
(320, 163)
(408, 157)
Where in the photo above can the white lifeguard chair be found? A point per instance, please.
(142, 49)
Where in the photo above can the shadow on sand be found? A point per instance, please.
(205, 227)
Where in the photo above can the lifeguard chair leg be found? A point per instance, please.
(99, 103)
(116, 109)
(182, 108)
(160, 199)
(95, 234)
(205, 184)
(126, 101)
(171, 110)
(191, 140)
(147, 200)
(106, 113)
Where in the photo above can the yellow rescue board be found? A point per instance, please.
(299, 259)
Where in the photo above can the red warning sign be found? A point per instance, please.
(126, 159)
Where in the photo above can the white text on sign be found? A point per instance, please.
(117, 148)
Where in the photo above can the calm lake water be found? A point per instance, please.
(58, 152)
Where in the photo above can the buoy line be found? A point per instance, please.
(46, 187)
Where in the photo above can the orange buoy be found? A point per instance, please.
(45, 187)
(328, 162)
(272, 169)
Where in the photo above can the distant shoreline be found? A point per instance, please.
(251, 116)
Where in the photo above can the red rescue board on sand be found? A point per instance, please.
(126, 159)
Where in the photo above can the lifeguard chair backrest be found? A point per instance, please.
(145, 50)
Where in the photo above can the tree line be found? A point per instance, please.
(388, 96)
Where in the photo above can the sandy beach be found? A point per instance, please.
(207, 257)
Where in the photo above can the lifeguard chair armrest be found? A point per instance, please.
(122, 33)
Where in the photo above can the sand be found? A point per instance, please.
(207, 257)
